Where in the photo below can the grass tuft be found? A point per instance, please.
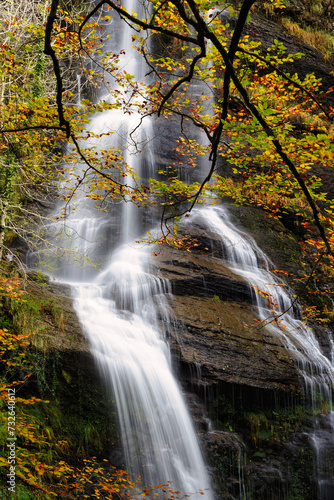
(318, 39)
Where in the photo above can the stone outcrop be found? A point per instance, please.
(214, 323)
(235, 374)
(58, 322)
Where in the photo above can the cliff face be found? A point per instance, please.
(214, 324)
(240, 381)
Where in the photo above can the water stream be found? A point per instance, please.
(118, 312)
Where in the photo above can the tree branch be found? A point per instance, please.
(268, 320)
(144, 25)
(189, 76)
(33, 127)
(242, 18)
(48, 50)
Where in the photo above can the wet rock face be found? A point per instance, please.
(215, 326)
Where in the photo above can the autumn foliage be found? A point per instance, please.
(268, 125)
(272, 129)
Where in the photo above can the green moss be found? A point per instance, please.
(75, 419)
(34, 314)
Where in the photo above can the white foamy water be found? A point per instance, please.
(118, 312)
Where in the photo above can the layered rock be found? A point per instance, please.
(215, 326)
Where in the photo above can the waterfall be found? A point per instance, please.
(120, 308)
(118, 313)
(273, 298)
(78, 100)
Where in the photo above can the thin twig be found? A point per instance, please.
(274, 320)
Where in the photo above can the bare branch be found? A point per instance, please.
(242, 18)
(48, 50)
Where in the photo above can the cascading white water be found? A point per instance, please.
(118, 311)
(272, 299)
